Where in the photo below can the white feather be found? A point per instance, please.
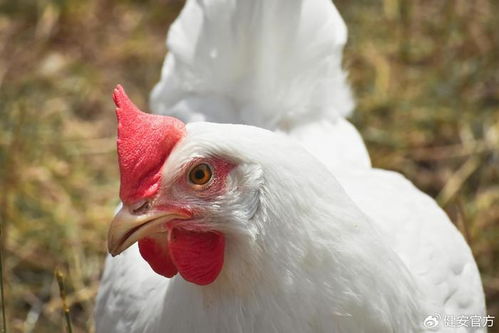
(302, 257)
(311, 247)
(275, 64)
(269, 63)
(299, 262)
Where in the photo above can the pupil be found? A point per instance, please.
(199, 174)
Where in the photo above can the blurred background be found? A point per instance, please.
(426, 77)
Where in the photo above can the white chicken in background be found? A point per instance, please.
(281, 227)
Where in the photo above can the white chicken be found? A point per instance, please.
(284, 227)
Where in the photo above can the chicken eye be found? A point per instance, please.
(200, 174)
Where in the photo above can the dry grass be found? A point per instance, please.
(425, 74)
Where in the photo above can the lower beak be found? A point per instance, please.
(127, 228)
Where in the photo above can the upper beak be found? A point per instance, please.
(127, 228)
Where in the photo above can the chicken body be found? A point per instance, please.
(309, 259)
(315, 239)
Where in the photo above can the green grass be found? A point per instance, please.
(425, 77)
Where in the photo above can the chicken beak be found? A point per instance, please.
(127, 228)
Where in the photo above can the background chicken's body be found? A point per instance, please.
(424, 79)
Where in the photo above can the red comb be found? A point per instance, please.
(144, 143)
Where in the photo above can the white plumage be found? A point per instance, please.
(272, 64)
(329, 246)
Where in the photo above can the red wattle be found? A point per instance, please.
(198, 256)
(154, 250)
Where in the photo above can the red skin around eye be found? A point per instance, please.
(197, 254)
(214, 188)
